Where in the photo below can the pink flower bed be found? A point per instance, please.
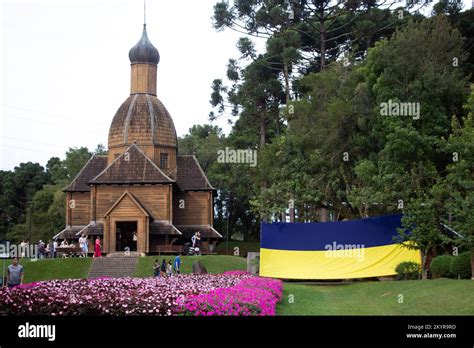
(242, 294)
(251, 296)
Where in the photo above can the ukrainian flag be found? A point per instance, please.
(333, 250)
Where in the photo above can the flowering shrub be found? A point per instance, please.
(232, 293)
(237, 273)
(251, 296)
(109, 296)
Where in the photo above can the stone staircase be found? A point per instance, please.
(115, 265)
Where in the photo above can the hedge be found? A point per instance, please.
(441, 266)
(461, 265)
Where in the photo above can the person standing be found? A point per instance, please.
(97, 248)
(198, 239)
(41, 249)
(23, 246)
(156, 269)
(169, 269)
(135, 239)
(163, 268)
(177, 264)
(15, 274)
(55, 246)
(83, 245)
(51, 248)
(86, 246)
(47, 250)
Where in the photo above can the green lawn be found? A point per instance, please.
(427, 297)
(213, 264)
(243, 247)
(420, 297)
(54, 269)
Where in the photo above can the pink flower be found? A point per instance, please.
(231, 293)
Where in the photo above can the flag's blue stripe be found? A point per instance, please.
(370, 232)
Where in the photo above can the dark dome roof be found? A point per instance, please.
(142, 118)
(144, 51)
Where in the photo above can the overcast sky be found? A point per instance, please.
(66, 69)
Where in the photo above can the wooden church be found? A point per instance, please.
(142, 186)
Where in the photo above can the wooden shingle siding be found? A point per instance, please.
(132, 167)
(153, 198)
(127, 207)
(80, 214)
(143, 79)
(190, 175)
(196, 211)
(92, 168)
(136, 121)
(171, 158)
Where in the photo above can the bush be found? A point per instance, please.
(461, 265)
(441, 266)
(408, 270)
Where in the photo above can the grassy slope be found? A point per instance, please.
(244, 247)
(431, 297)
(54, 269)
(213, 263)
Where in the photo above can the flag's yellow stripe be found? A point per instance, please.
(340, 264)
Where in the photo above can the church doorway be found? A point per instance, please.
(126, 235)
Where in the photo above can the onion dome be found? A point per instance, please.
(144, 51)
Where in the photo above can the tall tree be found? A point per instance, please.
(75, 160)
(416, 67)
(420, 229)
(460, 179)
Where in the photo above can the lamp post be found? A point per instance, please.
(227, 237)
(228, 217)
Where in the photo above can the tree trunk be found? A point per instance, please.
(292, 212)
(286, 74)
(263, 136)
(322, 38)
(263, 132)
(424, 272)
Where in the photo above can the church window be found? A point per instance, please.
(164, 160)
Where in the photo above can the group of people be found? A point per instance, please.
(50, 249)
(84, 246)
(167, 269)
(45, 250)
(196, 239)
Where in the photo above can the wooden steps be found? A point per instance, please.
(117, 265)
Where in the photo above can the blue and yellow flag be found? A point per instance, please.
(333, 250)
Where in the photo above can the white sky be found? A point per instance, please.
(65, 69)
